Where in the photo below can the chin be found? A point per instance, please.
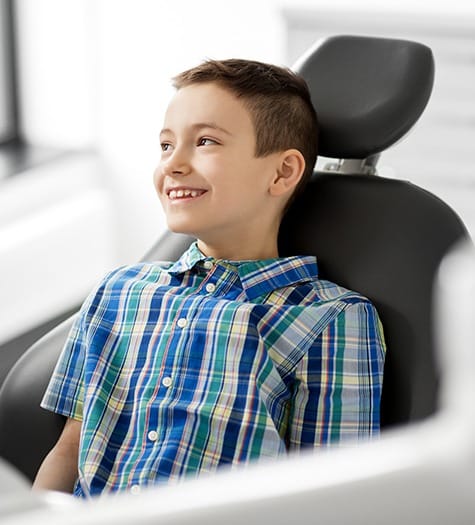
(181, 227)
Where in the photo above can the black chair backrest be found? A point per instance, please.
(383, 238)
(368, 92)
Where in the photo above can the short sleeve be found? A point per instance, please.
(338, 382)
(65, 392)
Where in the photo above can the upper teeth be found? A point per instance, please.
(174, 194)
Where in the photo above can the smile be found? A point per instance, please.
(185, 194)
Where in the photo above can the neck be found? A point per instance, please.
(250, 242)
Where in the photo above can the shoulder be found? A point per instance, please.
(124, 278)
(351, 320)
(321, 291)
(146, 271)
(355, 316)
(341, 304)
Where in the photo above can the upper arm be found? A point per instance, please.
(59, 469)
(338, 382)
(65, 392)
(68, 441)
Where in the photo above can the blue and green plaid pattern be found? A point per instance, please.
(178, 368)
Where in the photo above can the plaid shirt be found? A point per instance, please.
(178, 368)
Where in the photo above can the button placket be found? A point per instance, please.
(182, 322)
(215, 274)
(210, 287)
(152, 435)
(135, 489)
(167, 381)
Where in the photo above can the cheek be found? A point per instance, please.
(157, 179)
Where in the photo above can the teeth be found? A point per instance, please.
(178, 194)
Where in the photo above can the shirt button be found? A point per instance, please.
(210, 287)
(182, 322)
(208, 265)
(135, 489)
(152, 435)
(167, 381)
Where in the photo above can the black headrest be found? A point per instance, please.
(368, 92)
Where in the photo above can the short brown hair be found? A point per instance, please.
(277, 98)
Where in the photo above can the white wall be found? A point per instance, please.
(95, 74)
(56, 238)
(57, 72)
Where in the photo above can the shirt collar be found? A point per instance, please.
(257, 277)
(265, 276)
(188, 260)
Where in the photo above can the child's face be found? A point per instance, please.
(209, 181)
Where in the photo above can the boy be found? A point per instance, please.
(231, 353)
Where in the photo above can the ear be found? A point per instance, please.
(290, 168)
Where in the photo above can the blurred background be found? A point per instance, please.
(83, 88)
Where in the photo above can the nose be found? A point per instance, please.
(176, 162)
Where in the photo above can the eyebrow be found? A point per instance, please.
(200, 125)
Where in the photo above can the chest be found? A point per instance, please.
(197, 331)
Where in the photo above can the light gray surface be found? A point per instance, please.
(15, 494)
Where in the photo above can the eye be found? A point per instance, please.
(205, 141)
(165, 146)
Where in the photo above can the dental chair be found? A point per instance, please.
(382, 237)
